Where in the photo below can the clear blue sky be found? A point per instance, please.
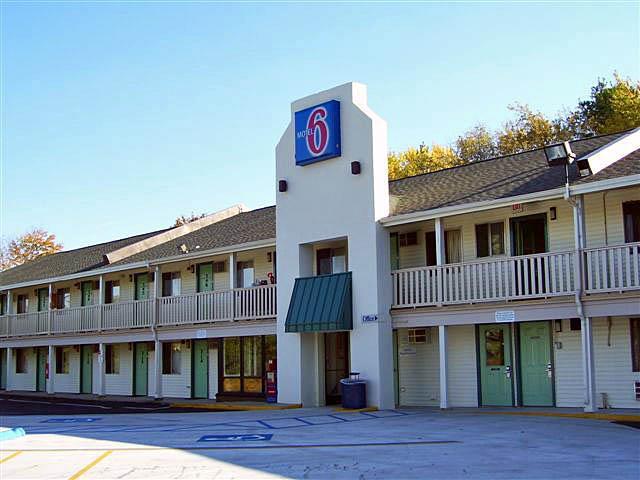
(117, 118)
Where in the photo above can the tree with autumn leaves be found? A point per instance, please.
(612, 106)
(27, 247)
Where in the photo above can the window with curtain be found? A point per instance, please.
(489, 239)
(453, 246)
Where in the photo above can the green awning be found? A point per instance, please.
(320, 304)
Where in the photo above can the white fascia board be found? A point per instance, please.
(242, 247)
(610, 153)
(609, 184)
(75, 276)
(146, 264)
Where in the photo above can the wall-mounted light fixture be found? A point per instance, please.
(355, 168)
(282, 186)
(553, 213)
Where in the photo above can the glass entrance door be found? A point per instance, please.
(336, 366)
(496, 375)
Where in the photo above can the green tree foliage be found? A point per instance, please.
(612, 107)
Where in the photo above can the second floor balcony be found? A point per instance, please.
(604, 270)
(252, 303)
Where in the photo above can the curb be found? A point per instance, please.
(225, 407)
(12, 433)
(355, 410)
(612, 417)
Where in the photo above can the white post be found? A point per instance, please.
(440, 257)
(588, 367)
(50, 314)
(11, 371)
(101, 368)
(442, 343)
(100, 301)
(232, 270)
(52, 369)
(158, 369)
(9, 302)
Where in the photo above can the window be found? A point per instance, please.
(112, 359)
(23, 303)
(395, 252)
(245, 273)
(112, 291)
(453, 246)
(171, 284)
(634, 324)
(63, 298)
(62, 360)
(631, 218)
(408, 239)
(21, 360)
(489, 239)
(417, 335)
(575, 324)
(331, 260)
(171, 358)
(244, 362)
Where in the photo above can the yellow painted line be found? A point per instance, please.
(612, 417)
(84, 470)
(14, 454)
(356, 410)
(227, 407)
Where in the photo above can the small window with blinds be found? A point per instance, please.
(634, 324)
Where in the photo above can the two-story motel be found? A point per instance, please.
(505, 282)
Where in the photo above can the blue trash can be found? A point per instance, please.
(354, 391)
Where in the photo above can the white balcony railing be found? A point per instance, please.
(508, 278)
(237, 304)
(612, 269)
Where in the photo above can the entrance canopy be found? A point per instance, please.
(320, 304)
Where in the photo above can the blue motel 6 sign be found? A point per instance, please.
(318, 133)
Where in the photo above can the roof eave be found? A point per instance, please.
(609, 184)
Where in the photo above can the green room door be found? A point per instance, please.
(86, 368)
(141, 369)
(496, 379)
(41, 380)
(200, 363)
(535, 364)
(141, 281)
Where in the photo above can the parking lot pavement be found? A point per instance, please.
(318, 443)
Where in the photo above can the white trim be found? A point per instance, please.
(610, 153)
(609, 184)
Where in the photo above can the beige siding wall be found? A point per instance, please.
(418, 370)
(603, 212)
(568, 367)
(121, 383)
(560, 231)
(462, 378)
(68, 382)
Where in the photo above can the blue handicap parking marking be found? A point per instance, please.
(247, 437)
(70, 420)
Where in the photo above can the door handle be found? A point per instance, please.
(507, 371)
(549, 370)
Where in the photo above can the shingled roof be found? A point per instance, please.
(499, 177)
(68, 262)
(491, 179)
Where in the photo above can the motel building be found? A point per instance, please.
(513, 281)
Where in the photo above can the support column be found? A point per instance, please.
(100, 301)
(50, 313)
(52, 369)
(157, 293)
(440, 257)
(101, 369)
(444, 366)
(232, 270)
(11, 370)
(158, 369)
(9, 302)
(588, 366)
